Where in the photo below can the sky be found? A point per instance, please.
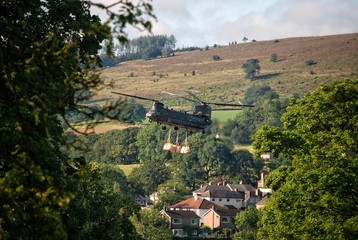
(203, 23)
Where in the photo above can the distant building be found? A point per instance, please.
(199, 206)
(214, 205)
(250, 196)
(143, 202)
(267, 156)
(262, 203)
(182, 223)
(221, 219)
(221, 195)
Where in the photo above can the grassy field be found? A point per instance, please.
(244, 147)
(127, 168)
(224, 116)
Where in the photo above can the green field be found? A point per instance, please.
(224, 116)
(127, 168)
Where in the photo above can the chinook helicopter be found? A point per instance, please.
(197, 120)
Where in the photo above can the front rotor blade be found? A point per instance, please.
(198, 99)
(180, 96)
(133, 96)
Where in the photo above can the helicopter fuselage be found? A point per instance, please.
(199, 119)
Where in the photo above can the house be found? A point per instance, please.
(143, 202)
(249, 192)
(220, 218)
(182, 223)
(199, 206)
(267, 156)
(261, 190)
(262, 203)
(221, 195)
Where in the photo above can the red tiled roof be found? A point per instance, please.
(190, 203)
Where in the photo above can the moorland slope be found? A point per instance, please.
(336, 57)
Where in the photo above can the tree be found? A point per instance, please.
(251, 68)
(132, 112)
(146, 178)
(116, 147)
(320, 191)
(150, 225)
(244, 167)
(186, 168)
(100, 210)
(273, 140)
(150, 141)
(245, 39)
(247, 223)
(255, 92)
(214, 158)
(48, 53)
(170, 193)
(266, 112)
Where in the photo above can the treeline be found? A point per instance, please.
(268, 110)
(144, 47)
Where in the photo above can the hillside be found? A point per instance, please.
(224, 80)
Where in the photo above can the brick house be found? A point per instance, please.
(220, 218)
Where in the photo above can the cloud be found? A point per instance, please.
(208, 22)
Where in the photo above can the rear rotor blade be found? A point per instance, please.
(226, 109)
(229, 104)
(133, 96)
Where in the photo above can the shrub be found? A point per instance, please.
(273, 57)
(216, 58)
(310, 62)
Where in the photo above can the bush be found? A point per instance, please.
(273, 57)
(310, 62)
(216, 58)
